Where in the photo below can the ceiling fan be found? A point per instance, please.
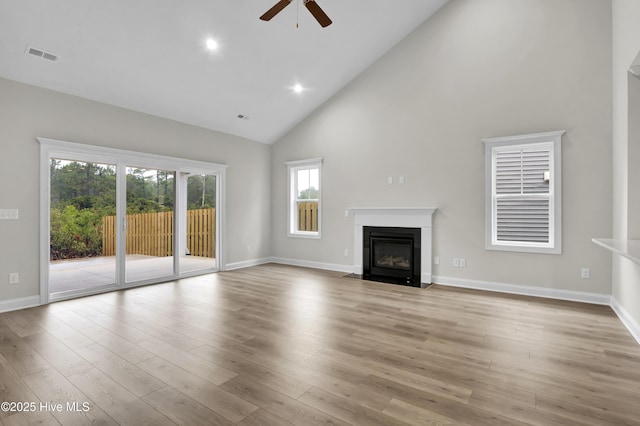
(311, 5)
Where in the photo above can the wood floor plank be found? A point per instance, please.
(433, 403)
(22, 357)
(203, 391)
(110, 323)
(51, 387)
(65, 313)
(20, 324)
(56, 353)
(14, 389)
(277, 345)
(410, 373)
(349, 411)
(39, 418)
(183, 410)
(134, 306)
(418, 416)
(130, 351)
(189, 362)
(581, 414)
(261, 417)
(64, 332)
(579, 391)
(120, 404)
(233, 362)
(127, 375)
(278, 404)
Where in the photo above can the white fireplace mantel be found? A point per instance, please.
(406, 217)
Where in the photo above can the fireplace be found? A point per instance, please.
(407, 217)
(391, 254)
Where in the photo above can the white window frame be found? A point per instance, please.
(494, 145)
(292, 218)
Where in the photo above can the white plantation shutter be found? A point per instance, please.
(522, 204)
(523, 193)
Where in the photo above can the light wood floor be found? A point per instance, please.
(277, 345)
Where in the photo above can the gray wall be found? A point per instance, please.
(477, 69)
(626, 46)
(27, 112)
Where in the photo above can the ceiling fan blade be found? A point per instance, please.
(317, 13)
(277, 8)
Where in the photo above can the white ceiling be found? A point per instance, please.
(149, 55)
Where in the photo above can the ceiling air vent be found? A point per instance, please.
(41, 54)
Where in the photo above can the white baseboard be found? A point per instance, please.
(628, 321)
(20, 303)
(247, 263)
(549, 293)
(315, 265)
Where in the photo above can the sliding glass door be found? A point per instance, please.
(110, 223)
(149, 226)
(82, 236)
(198, 227)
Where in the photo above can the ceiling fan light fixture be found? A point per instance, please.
(318, 13)
(311, 6)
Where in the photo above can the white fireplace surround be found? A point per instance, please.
(404, 217)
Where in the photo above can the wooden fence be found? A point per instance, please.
(151, 234)
(308, 216)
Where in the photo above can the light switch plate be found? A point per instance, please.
(8, 214)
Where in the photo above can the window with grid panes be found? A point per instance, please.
(523, 193)
(304, 198)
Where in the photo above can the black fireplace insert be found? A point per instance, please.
(391, 255)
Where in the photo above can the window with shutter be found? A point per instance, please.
(523, 193)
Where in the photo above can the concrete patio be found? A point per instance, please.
(82, 274)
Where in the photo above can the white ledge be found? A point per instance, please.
(387, 210)
(627, 248)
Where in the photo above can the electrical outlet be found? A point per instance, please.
(436, 260)
(585, 273)
(346, 252)
(401, 180)
(456, 262)
(14, 278)
(390, 180)
(346, 213)
(463, 262)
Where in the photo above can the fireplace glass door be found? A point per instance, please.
(391, 255)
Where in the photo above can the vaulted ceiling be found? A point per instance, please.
(151, 55)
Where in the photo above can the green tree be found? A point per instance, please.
(308, 194)
(201, 192)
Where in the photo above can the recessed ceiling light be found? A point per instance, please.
(211, 44)
(298, 88)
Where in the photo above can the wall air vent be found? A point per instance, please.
(41, 53)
